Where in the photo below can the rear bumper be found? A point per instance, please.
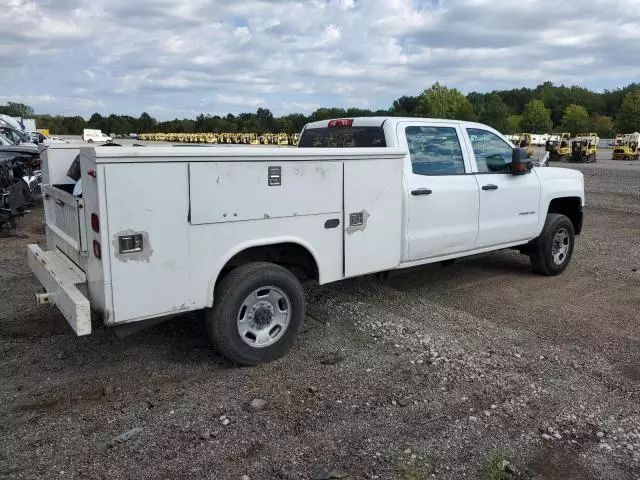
(60, 276)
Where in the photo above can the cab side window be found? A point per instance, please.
(493, 155)
(435, 150)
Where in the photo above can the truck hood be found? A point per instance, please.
(558, 182)
(559, 173)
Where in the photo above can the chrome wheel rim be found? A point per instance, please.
(264, 317)
(560, 246)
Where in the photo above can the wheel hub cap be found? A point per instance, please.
(261, 314)
(264, 317)
(560, 246)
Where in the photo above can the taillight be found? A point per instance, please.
(97, 249)
(95, 223)
(341, 122)
(91, 173)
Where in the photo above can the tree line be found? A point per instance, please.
(543, 109)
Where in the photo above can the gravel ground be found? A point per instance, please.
(430, 373)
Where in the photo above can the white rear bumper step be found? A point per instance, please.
(59, 277)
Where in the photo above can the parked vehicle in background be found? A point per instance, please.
(584, 148)
(93, 135)
(235, 231)
(39, 137)
(627, 147)
(14, 135)
(559, 148)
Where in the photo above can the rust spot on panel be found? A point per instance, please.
(142, 256)
(351, 229)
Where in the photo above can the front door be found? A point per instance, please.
(442, 195)
(509, 204)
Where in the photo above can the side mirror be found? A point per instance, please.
(520, 163)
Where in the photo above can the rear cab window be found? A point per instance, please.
(342, 134)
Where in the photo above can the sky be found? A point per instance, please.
(179, 58)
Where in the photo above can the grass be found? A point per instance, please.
(495, 469)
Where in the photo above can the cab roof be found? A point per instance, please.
(391, 122)
(376, 121)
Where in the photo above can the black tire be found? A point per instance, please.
(542, 254)
(231, 293)
(90, 140)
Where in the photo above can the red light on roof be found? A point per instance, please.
(341, 122)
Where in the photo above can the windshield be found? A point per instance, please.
(4, 140)
(12, 135)
(342, 137)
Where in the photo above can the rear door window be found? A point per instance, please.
(342, 137)
(435, 150)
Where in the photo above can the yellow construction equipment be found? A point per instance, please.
(626, 147)
(244, 138)
(559, 147)
(584, 147)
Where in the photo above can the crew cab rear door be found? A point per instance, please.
(441, 196)
(509, 204)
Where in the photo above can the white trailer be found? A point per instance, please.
(159, 231)
(92, 135)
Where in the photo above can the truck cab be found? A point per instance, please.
(460, 193)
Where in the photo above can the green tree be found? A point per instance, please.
(514, 124)
(495, 113)
(72, 125)
(404, 106)
(602, 125)
(442, 102)
(97, 122)
(575, 119)
(146, 123)
(629, 117)
(14, 109)
(536, 118)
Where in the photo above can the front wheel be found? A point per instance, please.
(553, 249)
(258, 313)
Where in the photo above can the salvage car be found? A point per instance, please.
(243, 227)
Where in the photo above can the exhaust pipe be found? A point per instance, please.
(44, 299)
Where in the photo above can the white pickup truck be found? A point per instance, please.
(161, 230)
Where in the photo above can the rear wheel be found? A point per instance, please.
(258, 313)
(553, 249)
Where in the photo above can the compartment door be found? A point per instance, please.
(152, 201)
(372, 215)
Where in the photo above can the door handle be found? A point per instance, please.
(490, 187)
(60, 202)
(421, 191)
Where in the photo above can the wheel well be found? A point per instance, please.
(571, 207)
(295, 258)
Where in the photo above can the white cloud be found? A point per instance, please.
(290, 55)
(242, 34)
(239, 100)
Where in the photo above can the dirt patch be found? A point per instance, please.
(423, 375)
